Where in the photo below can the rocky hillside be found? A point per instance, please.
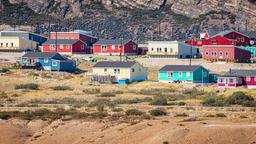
(136, 19)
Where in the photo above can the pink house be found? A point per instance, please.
(235, 78)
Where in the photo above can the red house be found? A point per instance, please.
(115, 47)
(235, 78)
(66, 46)
(241, 39)
(219, 48)
(77, 34)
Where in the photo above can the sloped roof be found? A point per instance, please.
(117, 64)
(61, 41)
(223, 33)
(179, 68)
(40, 54)
(112, 42)
(238, 72)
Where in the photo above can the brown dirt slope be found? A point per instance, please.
(146, 132)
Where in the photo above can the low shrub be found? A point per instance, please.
(4, 70)
(158, 112)
(104, 102)
(61, 88)
(106, 94)
(3, 95)
(239, 98)
(159, 100)
(134, 112)
(181, 115)
(31, 86)
(117, 109)
(249, 104)
(132, 101)
(214, 100)
(92, 91)
(220, 115)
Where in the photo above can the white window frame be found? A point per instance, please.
(242, 39)
(187, 74)
(134, 47)
(232, 80)
(221, 53)
(54, 63)
(170, 74)
(248, 78)
(207, 53)
(46, 60)
(226, 53)
(61, 46)
(180, 74)
(117, 71)
(104, 47)
(52, 47)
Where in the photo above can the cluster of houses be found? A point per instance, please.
(47, 54)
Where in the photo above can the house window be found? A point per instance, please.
(214, 54)
(68, 46)
(180, 74)
(165, 49)
(117, 71)
(152, 49)
(105, 69)
(226, 54)
(160, 49)
(46, 60)
(171, 50)
(2, 44)
(221, 80)
(52, 47)
(221, 53)
(11, 44)
(134, 47)
(188, 74)
(248, 78)
(133, 70)
(242, 39)
(207, 53)
(214, 42)
(54, 63)
(61, 46)
(82, 46)
(170, 74)
(119, 46)
(238, 39)
(104, 47)
(6, 44)
(231, 80)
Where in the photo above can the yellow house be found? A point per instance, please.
(124, 72)
(16, 43)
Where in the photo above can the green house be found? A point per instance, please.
(183, 73)
(251, 49)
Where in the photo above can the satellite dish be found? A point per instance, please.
(252, 42)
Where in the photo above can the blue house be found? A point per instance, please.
(48, 61)
(183, 74)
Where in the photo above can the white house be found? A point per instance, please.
(173, 49)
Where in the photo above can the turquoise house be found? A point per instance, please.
(183, 74)
(251, 49)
